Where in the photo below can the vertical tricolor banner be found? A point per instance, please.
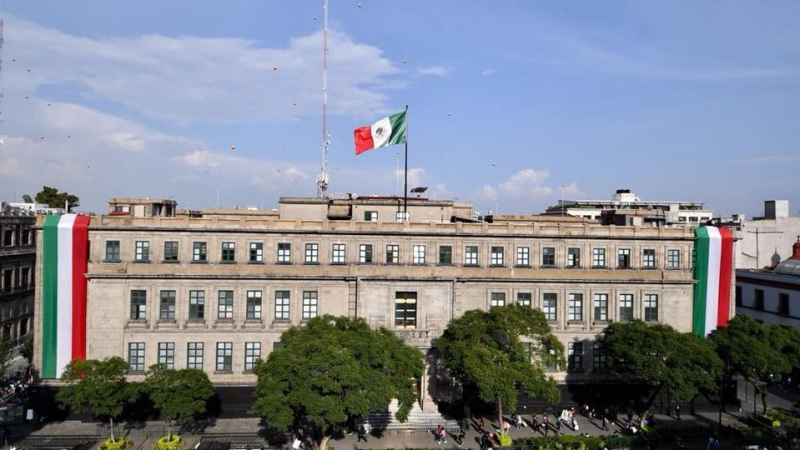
(64, 262)
(712, 272)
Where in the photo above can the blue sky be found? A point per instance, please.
(511, 102)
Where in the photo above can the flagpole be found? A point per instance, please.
(405, 183)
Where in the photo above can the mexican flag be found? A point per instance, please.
(65, 246)
(387, 131)
(712, 273)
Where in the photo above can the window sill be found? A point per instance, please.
(255, 262)
(338, 264)
(227, 262)
(441, 264)
(523, 266)
(599, 267)
(166, 321)
(141, 261)
(673, 268)
(624, 268)
(112, 261)
(575, 322)
(223, 372)
(310, 263)
(202, 261)
(649, 268)
(284, 263)
(170, 261)
(495, 266)
(196, 320)
(572, 267)
(471, 265)
(366, 263)
(548, 266)
(136, 372)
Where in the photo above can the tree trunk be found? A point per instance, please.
(764, 399)
(169, 431)
(323, 444)
(113, 439)
(500, 416)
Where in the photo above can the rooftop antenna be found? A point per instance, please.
(323, 177)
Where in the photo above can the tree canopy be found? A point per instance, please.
(680, 364)
(499, 351)
(333, 372)
(179, 395)
(54, 199)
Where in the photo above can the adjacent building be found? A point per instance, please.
(767, 240)
(17, 267)
(772, 295)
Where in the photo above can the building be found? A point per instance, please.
(766, 241)
(17, 264)
(771, 296)
(215, 289)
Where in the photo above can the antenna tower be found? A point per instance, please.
(324, 177)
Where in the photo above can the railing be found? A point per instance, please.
(57, 441)
(239, 440)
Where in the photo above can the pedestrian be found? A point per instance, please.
(362, 433)
(678, 412)
(481, 426)
(605, 424)
(558, 425)
(443, 435)
(438, 434)
(546, 424)
(460, 436)
(535, 422)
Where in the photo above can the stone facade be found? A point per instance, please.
(17, 263)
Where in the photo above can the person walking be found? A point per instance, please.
(605, 424)
(678, 412)
(546, 424)
(362, 433)
(460, 436)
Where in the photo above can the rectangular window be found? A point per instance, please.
(601, 307)
(759, 299)
(418, 254)
(624, 258)
(371, 216)
(651, 307)
(599, 356)
(142, 251)
(228, 252)
(783, 304)
(338, 254)
(549, 306)
(673, 259)
(309, 305)
(575, 307)
(166, 354)
(471, 255)
(253, 305)
(523, 256)
(496, 256)
(649, 258)
(599, 257)
(197, 305)
(194, 355)
(136, 356)
(167, 310)
(574, 257)
(365, 254)
(170, 251)
(225, 305)
(392, 254)
(256, 252)
(738, 296)
(138, 305)
(112, 251)
(524, 299)
(445, 255)
(548, 256)
(224, 356)
(497, 299)
(281, 305)
(284, 253)
(24, 276)
(405, 309)
(575, 357)
(312, 254)
(252, 352)
(625, 307)
(199, 252)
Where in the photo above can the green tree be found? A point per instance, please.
(7, 345)
(55, 199)
(27, 348)
(179, 395)
(333, 372)
(99, 386)
(759, 353)
(680, 364)
(488, 351)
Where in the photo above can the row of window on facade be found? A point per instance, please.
(419, 255)
(16, 277)
(784, 306)
(17, 235)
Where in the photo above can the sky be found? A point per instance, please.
(512, 104)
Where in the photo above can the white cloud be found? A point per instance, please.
(488, 72)
(438, 71)
(525, 190)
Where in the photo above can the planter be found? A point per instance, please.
(164, 443)
(121, 443)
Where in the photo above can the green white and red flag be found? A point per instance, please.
(712, 272)
(390, 130)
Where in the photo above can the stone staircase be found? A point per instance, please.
(418, 420)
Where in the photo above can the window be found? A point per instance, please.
(673, 259)
(651, 307)
(759, 299)
(738, 296)
(418, 254)
(194, 355)
(649, 258)
(392, 254)
(8, 238)
(575, 357)
(136, 356)
(548, 256)
(625, 307)
(281, 305)
(496, 256)
(309, 305)
(284, 253)
(228, 252)
(574, 257)
(197, 305)
(253, 305)
(524, 299)
(624, 258)
(338, 254)
(312, 254)
(599, 356)
(575, 307)
(445, 255)
(549, 304)
(252, 352)
(225, 305)
(24, 276)
(138, 305)
(371, 216)
(405, 309)
(112, 251)
(601, 307)
(365, 254)
(497, 299)
(167, 310)
(166, 354)
(224, 356)
(523, 256)
(142, 251)
(783, 304)
(199, 251)
(256, 252)
(598, 257)
(170, 251)
(471, 255)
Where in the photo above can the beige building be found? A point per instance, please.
(17, 262)
(215, 290)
